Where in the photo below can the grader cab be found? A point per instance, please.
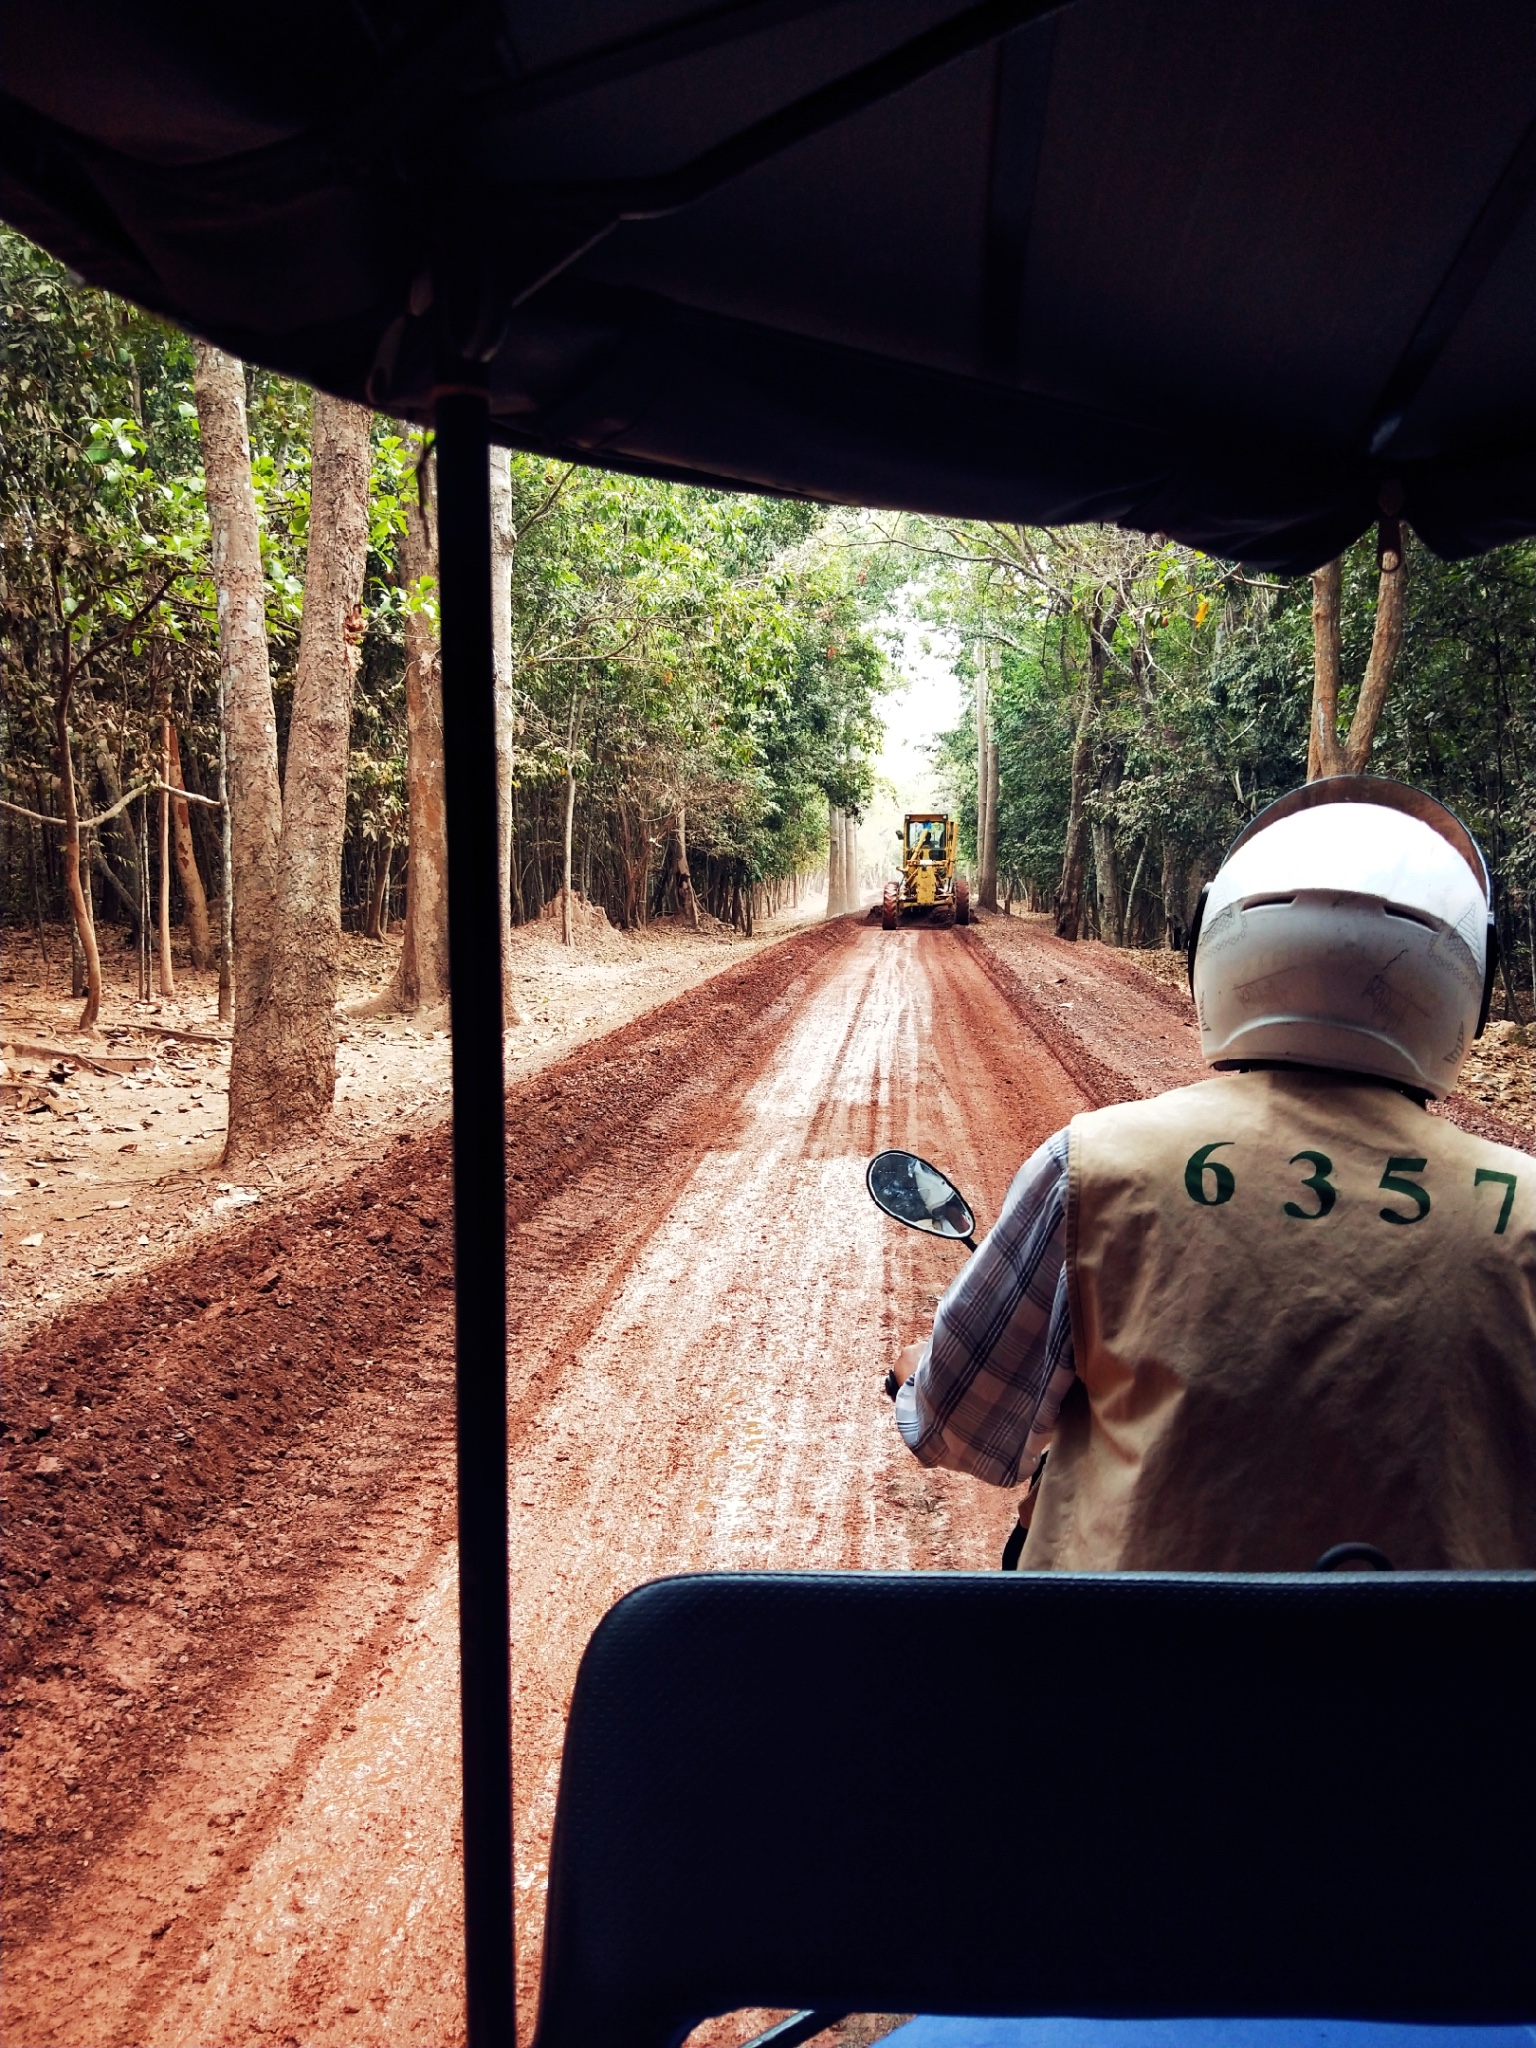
(929, 887)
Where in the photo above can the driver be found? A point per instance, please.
(1288, 1307)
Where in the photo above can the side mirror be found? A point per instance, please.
(918, 1195)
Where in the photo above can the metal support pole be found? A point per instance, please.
(479, 1212)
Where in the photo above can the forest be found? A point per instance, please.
(219, 691)
(1132, 705)
(664, 645)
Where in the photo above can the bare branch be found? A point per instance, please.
(101, 817)
(100, 647)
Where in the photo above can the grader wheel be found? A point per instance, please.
(962, 900)
(890, 907)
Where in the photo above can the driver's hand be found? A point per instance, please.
(907, 1361)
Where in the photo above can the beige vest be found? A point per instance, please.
(1304, 1313)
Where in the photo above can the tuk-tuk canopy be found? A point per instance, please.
(1241, 274)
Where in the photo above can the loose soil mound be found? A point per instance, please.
(253, 1462)
(1496, 1095)
(210, 1391)
(1500, 1076)
(1088, 1001)
(129, 1422)
(591, 930)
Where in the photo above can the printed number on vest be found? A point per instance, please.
(1327, 1194)
(1392, 1180)
(1508, 1180)
(1200, 1163)
(1210, 1182)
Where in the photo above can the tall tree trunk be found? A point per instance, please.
(1323, 755)
(1106, 852)
(836, 893)
(685, 893)
(193, 896)
(119, 831)
(986, 784)
(1327, 754)
(248, 728)
(503, 551)
(378, 898)
(80, 910)
(283, 1064)
(674, 871)
(989, 849)
(1386, 643)
(850, 861)
(1174, 884)
(163, 959)
(983, 779)
(1129, 938)
(145, 977)
(1069, 890)
(226, 872)
(634, 868)
(87, 848)
(1103, 624)
(566, 933)
(421, 979)
(1106, 863)
(204, 819)
(566, 869)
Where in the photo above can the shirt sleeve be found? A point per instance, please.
(985, 1395)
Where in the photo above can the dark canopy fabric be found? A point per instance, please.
(1234, 271)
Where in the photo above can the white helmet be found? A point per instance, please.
(1350, 927)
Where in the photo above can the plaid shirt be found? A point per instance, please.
(985, 1396)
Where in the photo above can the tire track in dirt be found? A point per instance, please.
(200, 1421)
(1122, 1033)
(245, 1764)
(702, 1298)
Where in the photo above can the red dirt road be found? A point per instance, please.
(233, 1816)
(231, 1712)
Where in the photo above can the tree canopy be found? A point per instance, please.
(671, 645)
(678, 647)
(1195, 713)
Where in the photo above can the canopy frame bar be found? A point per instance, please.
(1021, 89)
(479, 1212)
(1499, 216)
(561, 222)
(432, 59)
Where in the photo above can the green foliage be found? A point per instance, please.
(679, 646)
(1200, 715)
(671, 646)
(1461, 719)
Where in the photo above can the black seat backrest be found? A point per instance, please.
(1113, 1795)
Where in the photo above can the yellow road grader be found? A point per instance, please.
(929, 887)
